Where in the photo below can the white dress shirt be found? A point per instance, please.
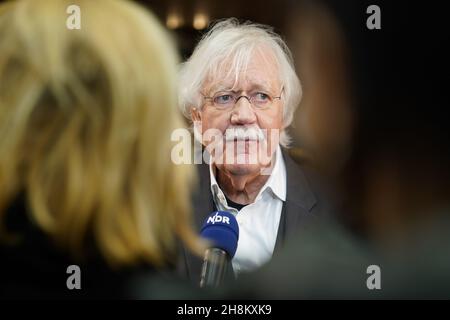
(258, 222)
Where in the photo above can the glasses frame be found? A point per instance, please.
(249, 99)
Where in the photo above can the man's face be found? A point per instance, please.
(251, 130)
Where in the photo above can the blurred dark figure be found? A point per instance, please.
(323, 124)
(85, 178)
(394, 186)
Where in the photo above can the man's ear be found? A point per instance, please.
(195, 115)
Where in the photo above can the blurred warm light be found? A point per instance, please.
(174, 20)
(200, 21)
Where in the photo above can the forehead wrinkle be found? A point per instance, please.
(247, 84)
(242, 76)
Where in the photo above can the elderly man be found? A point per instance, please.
(240, 90)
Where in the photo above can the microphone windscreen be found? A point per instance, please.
(221, 228)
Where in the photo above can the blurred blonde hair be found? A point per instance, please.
(85, 123)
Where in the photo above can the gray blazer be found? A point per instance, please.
(302, 206)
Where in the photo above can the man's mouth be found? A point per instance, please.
(242, 134)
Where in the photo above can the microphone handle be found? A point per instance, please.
(214, 267)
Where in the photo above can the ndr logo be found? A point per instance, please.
(216, 218)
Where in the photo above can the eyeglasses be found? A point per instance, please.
(228, 99)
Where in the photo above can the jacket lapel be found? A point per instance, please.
(203, 201)
(203, 205)
(299, 202)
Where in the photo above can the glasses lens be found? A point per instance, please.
(224, 99)
(260, 99)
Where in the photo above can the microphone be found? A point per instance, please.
(222, 230)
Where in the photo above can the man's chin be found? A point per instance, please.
(242, 169)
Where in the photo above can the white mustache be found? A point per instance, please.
(242, 133)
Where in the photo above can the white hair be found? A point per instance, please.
(231, 43)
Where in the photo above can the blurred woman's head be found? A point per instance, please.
(85, 121)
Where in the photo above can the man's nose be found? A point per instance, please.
(243, 112)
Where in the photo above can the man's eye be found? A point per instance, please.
(223, 99)
(261, 97)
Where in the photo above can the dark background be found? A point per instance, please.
(405, 62)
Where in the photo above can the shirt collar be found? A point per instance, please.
(276, 182)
